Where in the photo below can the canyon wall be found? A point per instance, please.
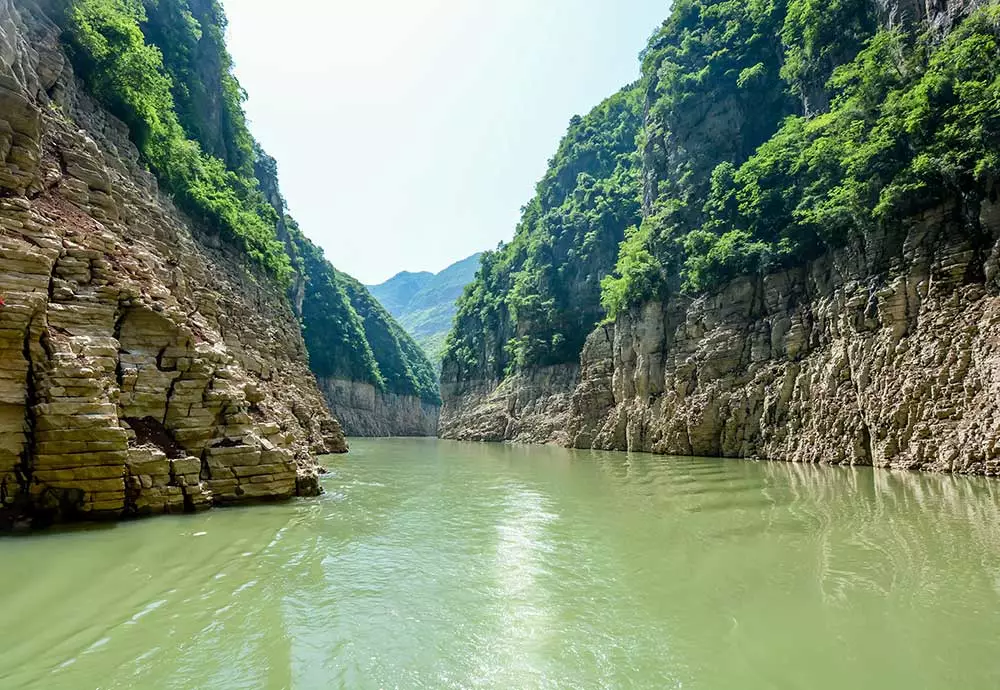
(532, 406)
(812, 274)
(884, 354)
(364, 410)
(144, 365)
(375, 378)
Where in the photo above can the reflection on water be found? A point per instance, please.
(442, 565)
(889, 532)
(522, 625)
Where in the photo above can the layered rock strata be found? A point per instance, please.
(530, 407)
(883, 354)
(143, 367)
(363, 410)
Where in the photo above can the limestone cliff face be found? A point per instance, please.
(530, 407)
(883, 352)
(886, 354)
(143, 367)
(939, 14)
(364, 410)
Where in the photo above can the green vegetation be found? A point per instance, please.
(535, 299)
(912, 124)
(713, 93)
(162, 67)
(761, 134)
(350, 336)
(333, 331)
(425, 303)
(128, 75)
(754, 154)
(209, 100)
(819, 35)
(401, 362)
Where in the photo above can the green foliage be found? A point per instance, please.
(912, 123)
(129, 77)
(476, 344)
(209, 100)
(637, 273)
(120, 69)
(535, 299)
(424, 303)
(403, 366)
(162, 67)
(350, 336)
(333, 330)
(714, 93)
(818, 36)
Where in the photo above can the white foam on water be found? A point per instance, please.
(146, 611)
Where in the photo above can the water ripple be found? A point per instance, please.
(445, 565)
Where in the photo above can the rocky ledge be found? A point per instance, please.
(885, 354)
(144, 368)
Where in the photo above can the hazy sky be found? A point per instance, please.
(409, 133)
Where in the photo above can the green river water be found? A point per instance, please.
(430, 564)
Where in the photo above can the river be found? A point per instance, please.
(432, 564)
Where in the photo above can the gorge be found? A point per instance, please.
(661, 438)
(424, 303)
(766, 250)
(453, 565)
(151, 354)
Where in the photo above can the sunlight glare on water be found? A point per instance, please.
(430, 564)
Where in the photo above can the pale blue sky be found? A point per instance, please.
(409, 133)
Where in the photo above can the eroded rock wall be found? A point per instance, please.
(363, 410)
(531, 407)
(939, 15)
(885, 354)
(143, 367)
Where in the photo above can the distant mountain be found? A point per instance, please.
(424, 303)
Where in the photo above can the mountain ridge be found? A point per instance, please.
(424, 303)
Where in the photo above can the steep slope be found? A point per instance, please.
(153, 291)
(396, 293)
(425, 303)
(376, 379)
(534, 300)
(149, 360)
(814, 274)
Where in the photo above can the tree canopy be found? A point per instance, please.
(760, 135)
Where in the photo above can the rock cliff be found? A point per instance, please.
(366, 410)
(377, 381)
(889, 360)
(145, 365)
(811, 281)
(533, 406)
